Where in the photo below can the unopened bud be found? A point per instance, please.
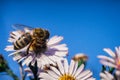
(79, 57)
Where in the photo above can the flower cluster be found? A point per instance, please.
(50, 64)
(111, 65)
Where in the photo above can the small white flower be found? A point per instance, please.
(106, 76)
(113, 61)
(67, 72)
(55, 51)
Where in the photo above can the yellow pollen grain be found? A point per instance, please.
(66, 77)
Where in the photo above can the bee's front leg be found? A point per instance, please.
(29, 47)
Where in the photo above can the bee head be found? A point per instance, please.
(40, 33)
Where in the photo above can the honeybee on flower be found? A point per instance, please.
(38, 48)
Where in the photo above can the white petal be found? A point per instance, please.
(29, 74)
(117, 51)
(21, 59)
(79, 70)
(60, 47)
(48, 60)
(54, 58)
(27, 30)
(27, 60)
(46, 76)
(87, 76)
(117, 74)
(110, 52)
(54, 40)
(83, 74)
(53, 74)
(27, 70)
(110, 76)
(14, 53)
(103, 76)
(66, 66)
(71, 68)
(75, 68)
(9, 48)
(17, 57)
(106, 58)
(61, 54)
(11, 40)
(60, 66)
(91, 78)
(55, 70)
(107, 63)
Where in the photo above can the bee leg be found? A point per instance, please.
(29, 47)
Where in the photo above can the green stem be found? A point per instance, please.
(34, 70)
(111, 70)
(81, 62)
(103, 68)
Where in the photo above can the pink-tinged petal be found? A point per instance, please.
(117, 73)
(110, 52)
(110, 76)
(103, 76)
(106, 63)
(117, 52)
(106, 58)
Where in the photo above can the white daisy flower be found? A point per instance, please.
(106, 76)
(55, 51)
(114, 60)
(67, 72)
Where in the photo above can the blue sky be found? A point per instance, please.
(87, 26)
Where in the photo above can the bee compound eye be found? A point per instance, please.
(47, 34)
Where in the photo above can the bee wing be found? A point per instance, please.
(22, 27)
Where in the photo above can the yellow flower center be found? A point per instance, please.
(118, 62)
(66, 77)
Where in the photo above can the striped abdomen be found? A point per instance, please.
(23, 41)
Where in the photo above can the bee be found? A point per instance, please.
(35, 40)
